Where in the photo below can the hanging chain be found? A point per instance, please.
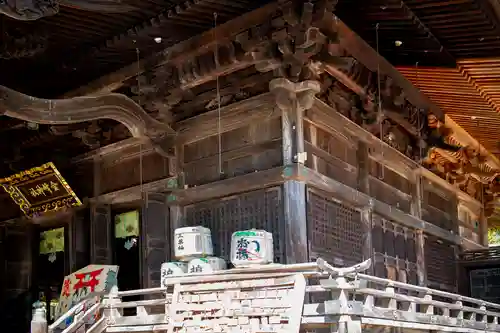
(219, 129)
(379, 101)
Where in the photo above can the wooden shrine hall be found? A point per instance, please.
(350, 129)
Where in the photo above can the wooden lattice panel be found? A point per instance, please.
(395, 251)
(262, 209)
(335, 231)
(253, 305)
(440, 262)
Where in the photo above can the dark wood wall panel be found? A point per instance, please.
(438, 207)
(331, 155)
(16, 309)
(101, 234)
(262, 209)
(155, 236)
(389, 187)
(243, 150)
(394, 249)
(127, 173)
(8, 210)
(335, 231)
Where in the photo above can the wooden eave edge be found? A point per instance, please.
(364, 53)
(465, 139)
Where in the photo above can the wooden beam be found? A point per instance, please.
(123, 148)
(232, 117)
(223, 188)
(134, 193)
(187, 48)
(249, 149)
(193, 129)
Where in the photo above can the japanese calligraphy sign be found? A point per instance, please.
(87, 282)
(40, 190)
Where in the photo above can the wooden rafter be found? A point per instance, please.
(190, 47)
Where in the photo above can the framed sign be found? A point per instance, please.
(40, 190)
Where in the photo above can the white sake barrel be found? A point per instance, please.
(206, 265)
(172, 269)
(192, 242)
(251, 247)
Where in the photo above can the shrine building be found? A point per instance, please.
(349, 129)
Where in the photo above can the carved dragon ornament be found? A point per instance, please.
(117, 107)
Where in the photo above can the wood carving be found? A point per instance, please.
(354, 91)
(30, 10)
(285, 44)
(19, 44)
(290, 93)
(470, 175)
(117, 107)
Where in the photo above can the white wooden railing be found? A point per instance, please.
(282, 298)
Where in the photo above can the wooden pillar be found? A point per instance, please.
(79, 251)
(176, 212)
(101, 251)
(416, 210)
(3, 273)
(483, 227)
(100, 223)
(292, 99)
(363, 160)
(367, 220)
(454, 213)
(19, 270)
(155, 238)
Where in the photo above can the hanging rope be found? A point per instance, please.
(480, 178)
(139, 92)
(219, 129)
(380, 112)
(419, 130)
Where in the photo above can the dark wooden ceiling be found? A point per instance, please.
(432, 32)
(50, 56)
(56, 54)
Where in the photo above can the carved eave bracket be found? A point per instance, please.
(290, 94)
(117, 107)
